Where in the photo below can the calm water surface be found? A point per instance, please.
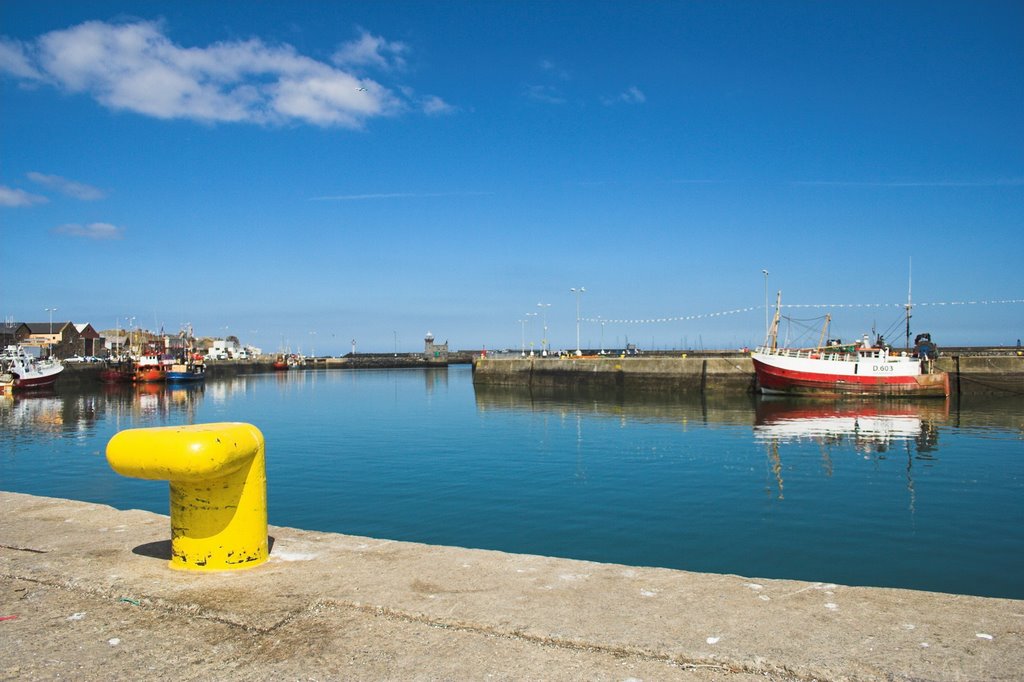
(925, 495)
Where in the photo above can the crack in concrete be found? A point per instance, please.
(25, 549)
(637, 653)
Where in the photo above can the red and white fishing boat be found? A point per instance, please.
(152, 368)
(854, 370)
(21, 372)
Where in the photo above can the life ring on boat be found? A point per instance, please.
(815, 356)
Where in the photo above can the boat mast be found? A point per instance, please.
(772, 341)
(824, 330)
(909, 282)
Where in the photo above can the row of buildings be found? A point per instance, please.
(54, 339)
(63, 340)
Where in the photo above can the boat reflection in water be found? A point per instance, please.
(79, 414)
(869, 426)
(874, 429)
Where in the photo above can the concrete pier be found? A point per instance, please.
(85, 593)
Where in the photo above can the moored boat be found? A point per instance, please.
(150, 369)
(190, 369)
(865, 371)
(286, 361)
(853, 370)
(118, 371)
(21, 372)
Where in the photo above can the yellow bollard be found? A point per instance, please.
(217, 474)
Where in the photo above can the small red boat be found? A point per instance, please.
(118, 371)
(285, 361)
(150, 368)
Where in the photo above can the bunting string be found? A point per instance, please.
(724, 313)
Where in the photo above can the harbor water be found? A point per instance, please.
(924, 495)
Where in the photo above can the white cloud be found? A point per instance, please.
(71, 188)
(435, 106)
(549, 67)
(544, 93)
(99, 231)
(10, 196)
(1002, 182)
(632, 95)
(136, 67)
(372, 51)
(398, 195)
(14, 61)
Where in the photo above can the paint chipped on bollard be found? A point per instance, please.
(218, 487)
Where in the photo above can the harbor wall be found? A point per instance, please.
(981, 375)
(969, 375)
(682, 374)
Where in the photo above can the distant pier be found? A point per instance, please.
(971, 372)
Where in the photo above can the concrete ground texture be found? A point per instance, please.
(86, 594)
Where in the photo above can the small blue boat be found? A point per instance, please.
(191, 370)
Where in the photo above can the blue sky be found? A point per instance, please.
(313, 173)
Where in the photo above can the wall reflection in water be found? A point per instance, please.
(724, 408)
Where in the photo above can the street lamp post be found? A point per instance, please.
(544, 339)
(765, 272)
(602, 333)
(527, 317)
(130, 322)
(50, 348)
(578, 291)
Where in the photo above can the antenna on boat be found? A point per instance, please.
(910, 272)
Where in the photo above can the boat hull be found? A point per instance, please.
(184, 377)
(35, 382)
(19, 372)
(150, 375)
(116, 376)
(773, 379)
(31, 380)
